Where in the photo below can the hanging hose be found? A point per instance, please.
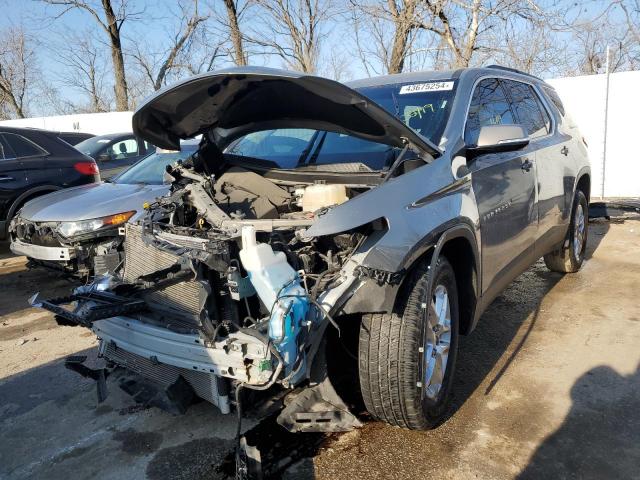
(264, 386)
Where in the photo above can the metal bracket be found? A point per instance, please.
(105, 305)
(76, 364)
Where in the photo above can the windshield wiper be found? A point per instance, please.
(308, 148)
(314, 157)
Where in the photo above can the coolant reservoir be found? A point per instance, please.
(322, 195)
(269, 271)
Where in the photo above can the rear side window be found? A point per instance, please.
(489, 106)
(555, 98)
(23, 147)
(5, 150)
(526, 105)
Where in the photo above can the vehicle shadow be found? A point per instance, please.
(5, 252)
(24, 391)
(600, 435)
(18, 284)
(502, 332)
(598, 228)
(513, 314)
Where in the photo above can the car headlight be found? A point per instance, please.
(70, 229)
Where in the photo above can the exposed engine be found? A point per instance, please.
(226, 255)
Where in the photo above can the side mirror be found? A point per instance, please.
(103, 157)
(499, 138)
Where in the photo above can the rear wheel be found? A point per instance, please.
(569, 259)
(407, 359)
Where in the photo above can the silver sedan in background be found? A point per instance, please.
(77, 230)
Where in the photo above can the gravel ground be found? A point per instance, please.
(547, 386)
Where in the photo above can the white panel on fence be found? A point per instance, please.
(584, 99)
(95, 123)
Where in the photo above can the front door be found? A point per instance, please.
(505, 188)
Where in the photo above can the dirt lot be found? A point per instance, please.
(548, 386)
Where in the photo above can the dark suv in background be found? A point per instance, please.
(36, 162)
(115, 152)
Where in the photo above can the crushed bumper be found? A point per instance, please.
(38, 252)
(242, 357)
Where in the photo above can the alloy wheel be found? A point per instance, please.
(437, 342)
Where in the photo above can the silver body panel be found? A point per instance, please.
(90, 201)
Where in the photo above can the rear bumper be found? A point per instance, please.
(52, 254)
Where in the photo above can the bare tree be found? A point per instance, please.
(386, 31)
(156, 67)
(233, 13)
(464, 24)
(532, 47)
(84, 71)
(111, 20)
(631, 9)
(613, 28)
(293, 30)
(337, 65)
(17, 65)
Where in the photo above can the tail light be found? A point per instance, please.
(87, 168)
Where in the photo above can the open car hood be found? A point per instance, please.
(230, 103)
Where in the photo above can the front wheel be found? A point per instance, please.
(570, 259)
(407, 359)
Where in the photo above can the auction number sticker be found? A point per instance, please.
(426, 87)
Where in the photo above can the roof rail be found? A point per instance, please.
(514, 70)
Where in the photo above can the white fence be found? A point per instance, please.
(94, 123)
(585, 99)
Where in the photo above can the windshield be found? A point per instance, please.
(424, 107)
(91, 146)
(150, 170)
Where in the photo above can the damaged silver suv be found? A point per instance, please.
(404, 203)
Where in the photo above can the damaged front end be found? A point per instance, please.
(81, 248)
(220, 286)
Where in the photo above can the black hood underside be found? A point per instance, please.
(229, 104)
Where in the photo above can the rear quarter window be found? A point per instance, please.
(555, 98)
(23, 147)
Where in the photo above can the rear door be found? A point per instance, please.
(554, 166)
(12, 179)
(32, 158)
(505, 190)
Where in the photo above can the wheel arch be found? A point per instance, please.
(458, 244)
(583, 183)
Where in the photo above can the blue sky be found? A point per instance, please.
(37, 18)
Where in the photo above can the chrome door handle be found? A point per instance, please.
(564, 150)
(6, 178)
(526, 165)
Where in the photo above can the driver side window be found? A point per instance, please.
(489, 106)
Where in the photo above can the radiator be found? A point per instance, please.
(140, 259)
(204, 384)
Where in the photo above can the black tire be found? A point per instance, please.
(566, 259)
(391, 365)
